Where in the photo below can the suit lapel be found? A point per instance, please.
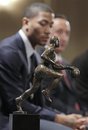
(22, 52)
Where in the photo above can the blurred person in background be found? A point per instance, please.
(64, 98)
(81, 62)
(64, 95)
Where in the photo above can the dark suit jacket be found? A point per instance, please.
(13, 79)
(82, 81)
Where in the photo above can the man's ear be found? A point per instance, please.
(25, 21)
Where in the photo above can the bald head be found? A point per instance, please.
(61, 28)
(61, 23)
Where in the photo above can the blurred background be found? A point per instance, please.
(75, 10)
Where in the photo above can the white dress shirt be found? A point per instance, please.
(29, 49)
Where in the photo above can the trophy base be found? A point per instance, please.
(24, 122)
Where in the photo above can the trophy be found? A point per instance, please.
(20, 119)
(43, 70)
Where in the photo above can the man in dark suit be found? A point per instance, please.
(81, 62)
(16, 68)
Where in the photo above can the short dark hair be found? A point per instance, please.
(35, 8)
(62, 16)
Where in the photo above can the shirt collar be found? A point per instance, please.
(58, 58)
(28, 47)
(27, 43)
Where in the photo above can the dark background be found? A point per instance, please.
(75, 10)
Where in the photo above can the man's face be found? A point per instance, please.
(39, 28)
(61, 29)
